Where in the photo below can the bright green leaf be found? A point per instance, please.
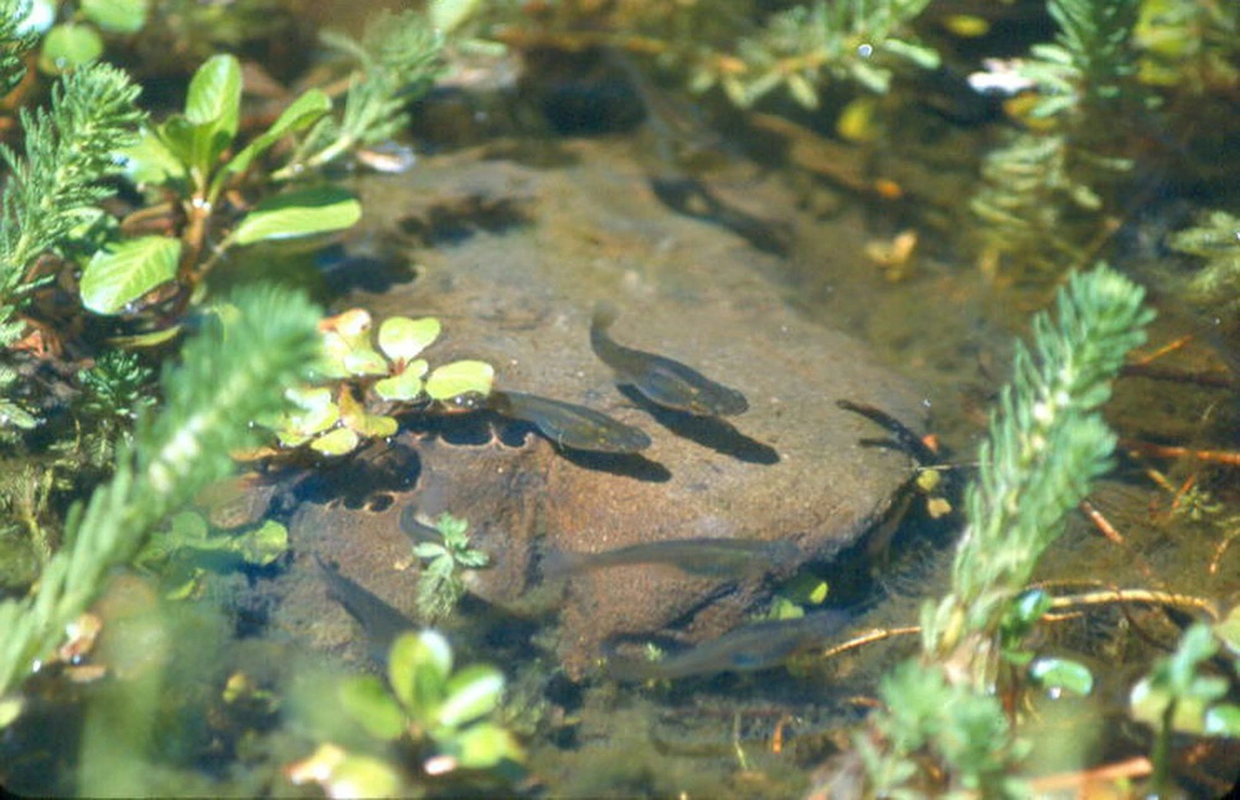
(484, 745)
(116, 16)
(301, 113)
(301, 213)
(460, 377)
(472, 692)
(339, 442)
(418, 670)
(366, 700)
(69, 46)
(446, 15)
(1223, 720)
(1061, 673)
(402, 339)
(214, 96)
(364, 776)
(213, 110)
(150, 161)
(405, 385)
(1227, 631)
(123, 272)
(263, 545)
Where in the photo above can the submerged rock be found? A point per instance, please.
(520, 256)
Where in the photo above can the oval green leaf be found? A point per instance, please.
(402, 339)
(116, 16)
(365, 700)
(214, 96)
(123, 272)
(149, 161)
(1223, 720)
(301, 113)
(69, 46)
(485, 745)
(460, 377)
(1062, 674)
(302, 213)
(405, 386)
(338, 442)
(473, 692)
(418, 670)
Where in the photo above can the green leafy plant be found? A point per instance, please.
(229, 375)
(184, 155)
(185, 549)
(1046, 443)
(439, 583)
(330, 419)
(79, 40)
(441, 711)
(70, 150)
(1217, 240)
(115, 390)
(1177, 698)
(397, 61)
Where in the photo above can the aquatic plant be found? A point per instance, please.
(327, 415)
(441, 711)
(397, 59)
(749, 50)
(72, 43)
(1033, 183)
(229, 374)
(184, 156)
(1046, 443)
(1217, 240)
(115, 390)
(439, 583)
(1176, 698)
(52, 192)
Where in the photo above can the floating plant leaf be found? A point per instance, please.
(338, 442)
(483, 746)
(402, 339)
(460, 377)
(355, 416)
(68, 46)
(405, 385)
(317, 414)
(365, 698)
(1062, 674)
(473, 692)
(418, 669)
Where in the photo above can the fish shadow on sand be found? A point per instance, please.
(709, 432)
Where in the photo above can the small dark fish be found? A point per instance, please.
(572, 426)
(751, 648)
(716, 558)
(417, 530)
(661, 380)
(382, 622)
(907, 441)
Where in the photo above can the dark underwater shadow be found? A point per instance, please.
(715, 434)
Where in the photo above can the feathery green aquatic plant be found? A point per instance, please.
(1216, 284)
(1046, 443)
(229, 375)
(14, 43)
(439, 583)
(397, 60)
(70, 150)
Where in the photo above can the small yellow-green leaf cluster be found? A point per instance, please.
(361, 369)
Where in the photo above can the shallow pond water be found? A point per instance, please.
(786, 282)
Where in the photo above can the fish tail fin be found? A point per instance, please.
(604, 315)
(557, 563)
